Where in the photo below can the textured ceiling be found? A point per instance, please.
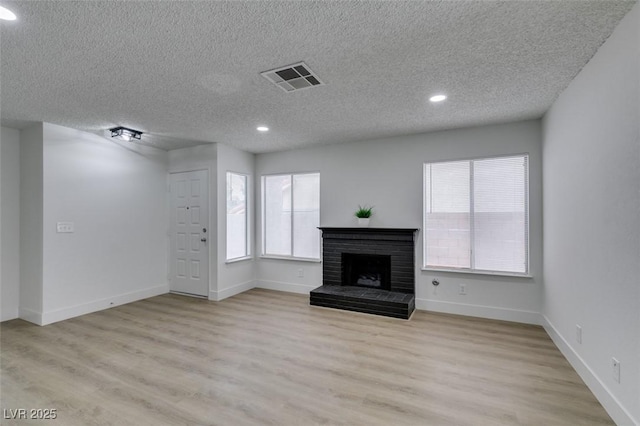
(187, 72)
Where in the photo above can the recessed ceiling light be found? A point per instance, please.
(6, 14)
(262, 128)
(438, 98)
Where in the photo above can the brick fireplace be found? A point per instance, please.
(369, 270)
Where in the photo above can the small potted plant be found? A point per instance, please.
(363, 214)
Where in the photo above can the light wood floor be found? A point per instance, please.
(266, 357)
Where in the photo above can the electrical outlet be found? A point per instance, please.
(300, 273)
(616, 369)
(64, 227)
(463, 289)
(578, 334)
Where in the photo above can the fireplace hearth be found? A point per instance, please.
(369, 270)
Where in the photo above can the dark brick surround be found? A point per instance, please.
(399, 244)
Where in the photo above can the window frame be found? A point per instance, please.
(263, 248)
(247, 225)
(471, 269)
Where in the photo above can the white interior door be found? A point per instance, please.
(189, 270)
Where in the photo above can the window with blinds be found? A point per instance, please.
(237, 218)
(476, 215)
(291, 215)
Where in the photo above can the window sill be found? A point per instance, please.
(298, 259)
(467, 271)
(239, 259)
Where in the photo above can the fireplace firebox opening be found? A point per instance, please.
(366, 270)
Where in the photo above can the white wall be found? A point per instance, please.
(591, 146)
(31, 211)
(115, 194)
(388, 175)
(9, 223)
(239, 276)
(202, 157)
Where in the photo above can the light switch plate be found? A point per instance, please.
(64, 227)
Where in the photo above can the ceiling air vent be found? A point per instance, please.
(292, 77)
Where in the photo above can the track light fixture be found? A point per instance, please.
(125, 134)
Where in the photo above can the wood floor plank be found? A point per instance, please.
(268, 358)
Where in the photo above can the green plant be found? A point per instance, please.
(364, 212)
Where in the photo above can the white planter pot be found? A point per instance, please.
(363, 222)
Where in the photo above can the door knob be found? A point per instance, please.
(204, 240)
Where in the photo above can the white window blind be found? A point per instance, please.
(476, 215)
(237, 218)
(291, 215)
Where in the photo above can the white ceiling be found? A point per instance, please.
(188, 72)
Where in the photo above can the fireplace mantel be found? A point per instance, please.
(328, 231)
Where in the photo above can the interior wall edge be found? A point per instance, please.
(610, 403)
(218, 295)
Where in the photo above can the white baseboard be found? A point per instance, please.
(491, 312)
(98, 305)
(602, 393)
(231, 291)
(7, 316)
(289, 287)
(30, 315)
